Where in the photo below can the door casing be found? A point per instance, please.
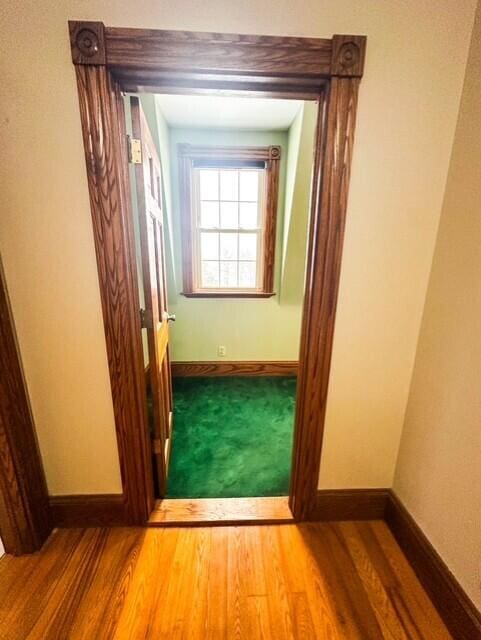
(25, 518)
(111, 60)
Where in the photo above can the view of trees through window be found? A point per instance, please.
(229, 227)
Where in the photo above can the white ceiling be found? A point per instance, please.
(221, 112)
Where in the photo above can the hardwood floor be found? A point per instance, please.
(323, 580)
(214, 510)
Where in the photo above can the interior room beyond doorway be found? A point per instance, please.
(233, 187)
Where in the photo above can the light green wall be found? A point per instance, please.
(163, 147)
(264, 329)
(298, 191)
(293, 141)
(258, 329)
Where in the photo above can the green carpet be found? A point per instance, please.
(232, 437)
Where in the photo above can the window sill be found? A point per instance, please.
(228, 294)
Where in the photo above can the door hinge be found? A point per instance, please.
(134, 147)
(146, 320)
(156, 445)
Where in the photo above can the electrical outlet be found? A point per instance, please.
(221, 351)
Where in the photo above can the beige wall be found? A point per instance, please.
(438, 474)
(404, 133)
(407, 112)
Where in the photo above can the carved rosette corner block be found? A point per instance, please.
(348, 56)
(274, 153)
(87, 42)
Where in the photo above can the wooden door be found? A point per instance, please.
(155, 316)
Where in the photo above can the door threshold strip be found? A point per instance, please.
(193, 512)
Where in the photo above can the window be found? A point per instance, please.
(228, 220)
(229, 203)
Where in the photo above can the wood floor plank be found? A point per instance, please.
(408, 616)
(207, 511)
(257, 615)
(39, 586)
(217, 601)
(89, 620)
(412, 601)
(380, 601)
(331, 581)
(196, 626)
(276, 586)
(302, 622)
(355, 616)
(237, 616)
(176, 598)
(60, 610)
(251, 555)
(304, 574)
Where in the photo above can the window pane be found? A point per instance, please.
(209, 246)
(228, 215)
(229, 185)
(247, 274)
(249, 185)
(210, 274)
(209, 184)
(228, 246)
(209, 214)
(228, 274)
(248, 246)
(248, 215)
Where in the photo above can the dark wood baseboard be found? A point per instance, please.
(458, 612)
(93, 510)
(108, 509)
(215, 368)
(349, 504)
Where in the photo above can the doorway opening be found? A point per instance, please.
(112, 60)
(220, 192)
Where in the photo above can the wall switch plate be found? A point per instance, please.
(221, 350)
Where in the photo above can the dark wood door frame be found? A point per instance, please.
(109, 60)
(25, 521)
